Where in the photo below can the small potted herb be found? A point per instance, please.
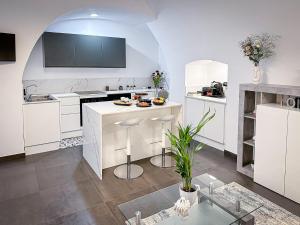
(158, 78)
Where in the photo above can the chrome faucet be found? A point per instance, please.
(26, 90)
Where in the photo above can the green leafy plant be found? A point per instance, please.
(184, 152)
(157, 78)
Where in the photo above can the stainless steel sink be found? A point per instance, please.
(39, 98)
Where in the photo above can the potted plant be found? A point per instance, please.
(184, 155)
(157, 78)
(257, 48)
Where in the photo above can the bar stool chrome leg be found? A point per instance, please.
(128, 170)
(163, 160)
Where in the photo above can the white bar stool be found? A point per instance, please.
(128, 170)
(163, 160)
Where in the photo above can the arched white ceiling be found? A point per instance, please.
(131, 16)
(28, 19)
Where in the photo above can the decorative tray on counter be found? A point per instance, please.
(122, 103)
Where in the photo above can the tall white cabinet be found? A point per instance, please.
(292, 180)
(277, 151)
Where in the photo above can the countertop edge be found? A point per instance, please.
(210, 99)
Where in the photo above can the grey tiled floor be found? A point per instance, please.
(58, 188)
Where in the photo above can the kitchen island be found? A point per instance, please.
(104, 141)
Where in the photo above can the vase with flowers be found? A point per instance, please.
(157, 78)
(257, 48)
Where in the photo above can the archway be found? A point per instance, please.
(142, 54)
(202, 73)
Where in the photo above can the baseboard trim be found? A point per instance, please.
(230, 154)
(12, 157)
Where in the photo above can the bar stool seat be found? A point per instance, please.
(128, 170)
(163, 160)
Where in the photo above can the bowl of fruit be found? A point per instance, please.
(159, 101)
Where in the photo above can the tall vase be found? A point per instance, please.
(156, 91)
(257, 75)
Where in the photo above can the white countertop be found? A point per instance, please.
(130, 91)
(205, 98)
(105, 108)
(67, 95)
(40, 102)
(64, 95)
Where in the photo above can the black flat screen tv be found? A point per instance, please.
(7, 47)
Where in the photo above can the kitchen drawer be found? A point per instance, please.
(70, 122)
(70, 109)
(69, 101)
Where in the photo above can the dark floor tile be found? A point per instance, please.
(55, 159)
(15, 168)
(67, 199)
(18, 185)
(22, 211)
(111, 187)
(59, 175)
(71, 193)
(98, 215)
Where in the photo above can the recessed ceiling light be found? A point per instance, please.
(94, 15)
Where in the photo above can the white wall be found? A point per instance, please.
(142, 51)
(186, 31)
(28, 19)
(200, 29)
(202, 73)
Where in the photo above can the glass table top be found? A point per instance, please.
(217, 205)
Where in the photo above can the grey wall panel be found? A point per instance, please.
(71, 50)
(59, 50)
(88, 51)
(113, 52)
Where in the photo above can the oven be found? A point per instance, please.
(110, 97)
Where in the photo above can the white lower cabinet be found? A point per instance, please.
(70, 122)
(214, 129)
(292, 180)
(213, 132)
(194, 110)
(41, 127)
(69, 114)
(277, 151)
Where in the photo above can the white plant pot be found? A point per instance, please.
(192, 197)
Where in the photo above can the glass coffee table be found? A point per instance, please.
(217, 205)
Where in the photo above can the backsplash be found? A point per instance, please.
(71, 85)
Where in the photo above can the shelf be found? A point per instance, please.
(250, 142)
(247, 170)
(250, 116)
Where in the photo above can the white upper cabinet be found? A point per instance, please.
(292, 181)
(270, 147)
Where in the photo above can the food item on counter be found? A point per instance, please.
(143, 104)
(136, 97)
(124, 99)
(146, 100)
(124, 102)
(159, 101)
